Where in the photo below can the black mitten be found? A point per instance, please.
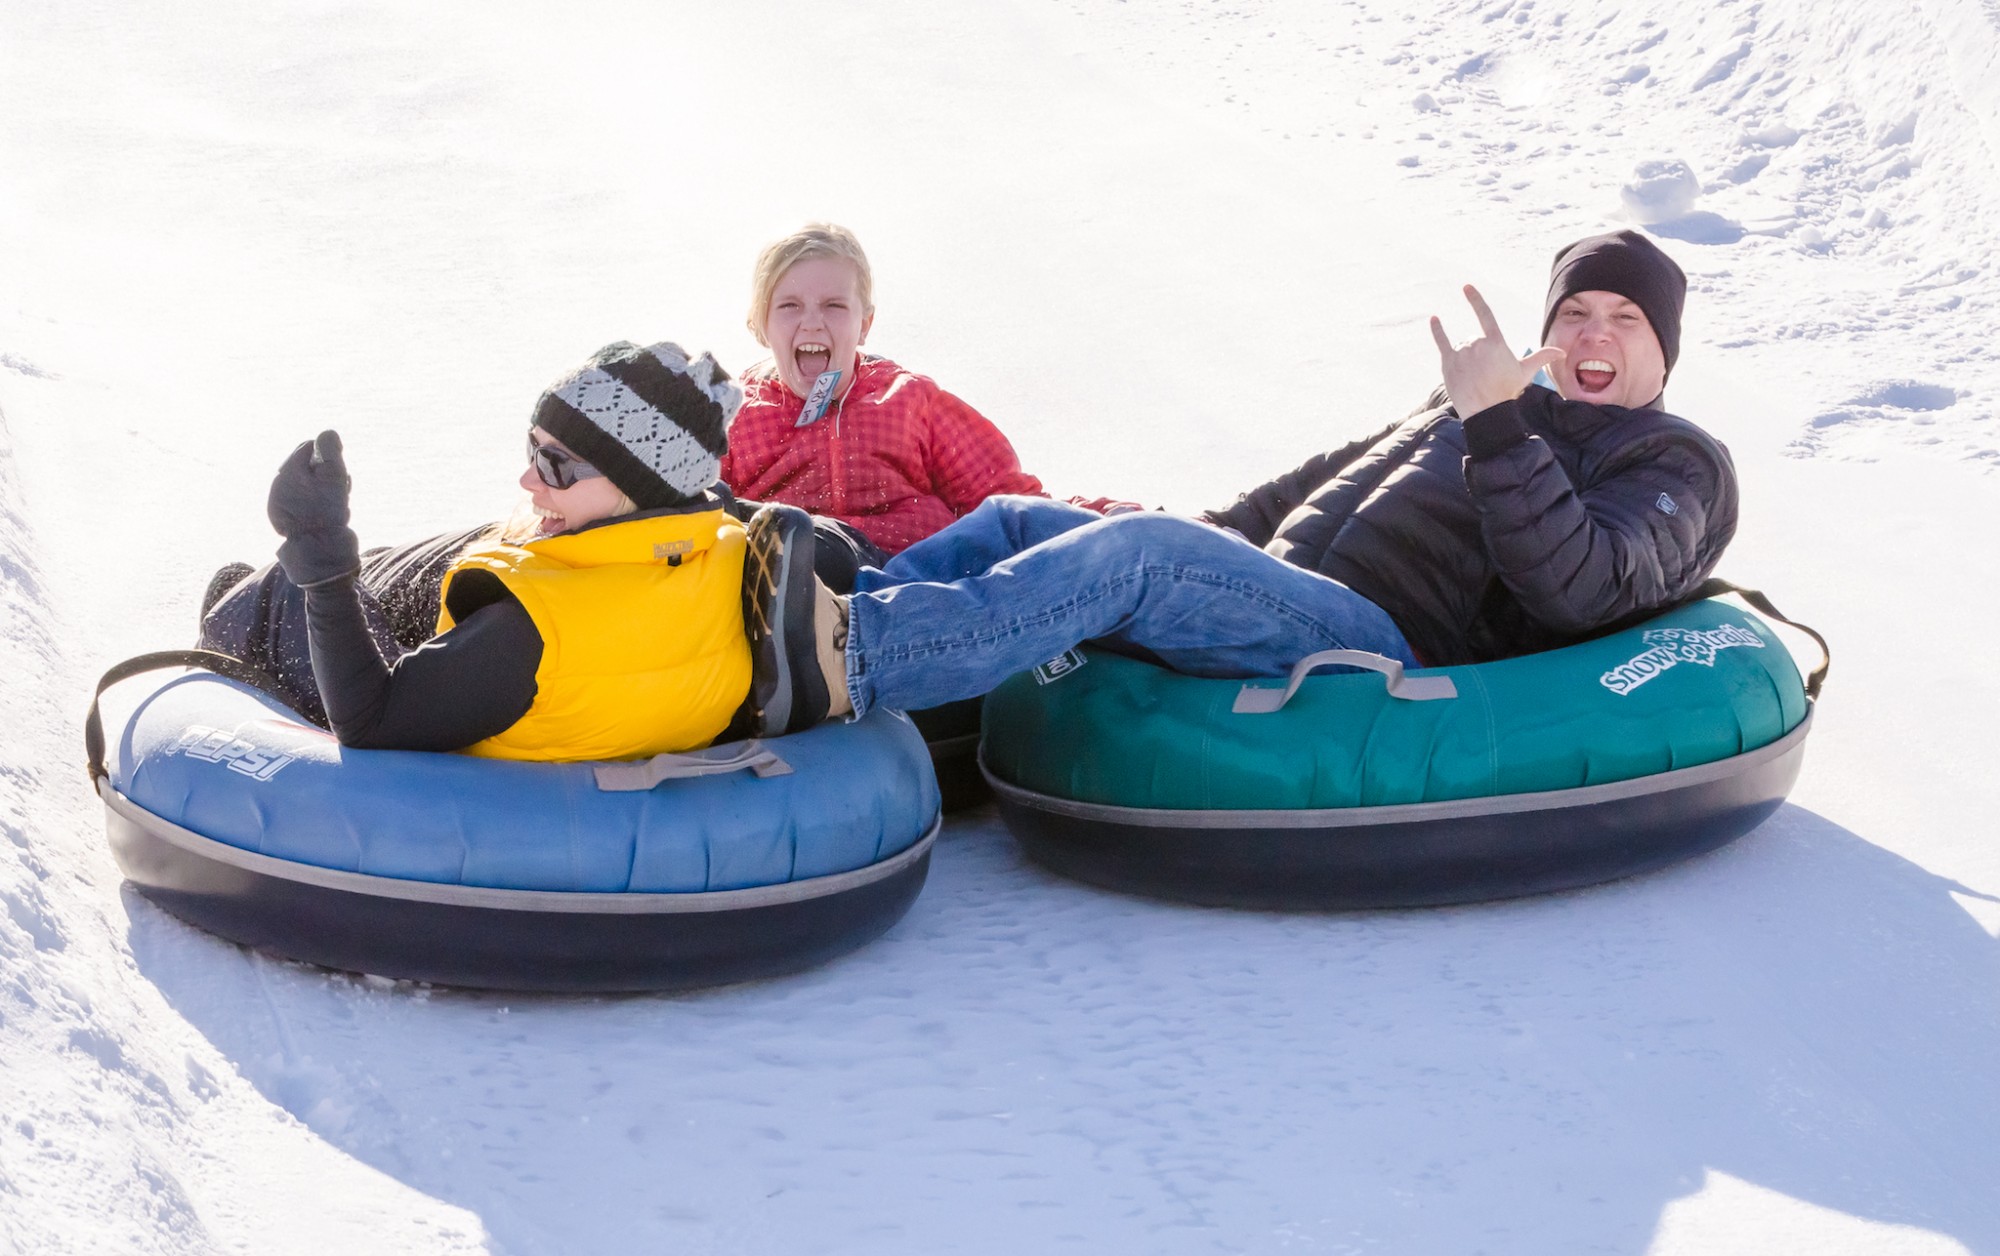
(308, 507)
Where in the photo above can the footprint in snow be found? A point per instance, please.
(21, 366)
(1891, 411)
(1906, 394)
(33, 918)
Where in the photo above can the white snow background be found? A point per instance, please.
(1171, 248)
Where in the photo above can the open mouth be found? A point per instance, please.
(812, 357)
(1595, 374)
(548, 522)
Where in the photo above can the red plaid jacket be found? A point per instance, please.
(898, 457)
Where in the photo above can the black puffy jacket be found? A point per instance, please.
(1531, 525)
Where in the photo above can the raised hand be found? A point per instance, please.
(310, 491)
(1484, 372)
(308, 507)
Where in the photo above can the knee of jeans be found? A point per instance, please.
(1154, 534)
(1015, 515)
(1012, 505)
(999, 510)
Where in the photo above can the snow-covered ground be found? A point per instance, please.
(1171, 248)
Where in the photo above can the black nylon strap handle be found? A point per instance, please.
(209, 660)
(1715, 586)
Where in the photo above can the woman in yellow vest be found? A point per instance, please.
(605, 624)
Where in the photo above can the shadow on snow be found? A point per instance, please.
(1025, 1064)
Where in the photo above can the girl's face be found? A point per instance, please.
(586, 501)
(816, 322)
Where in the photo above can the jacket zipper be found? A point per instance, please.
(838, 473)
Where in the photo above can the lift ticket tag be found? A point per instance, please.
(818, 399)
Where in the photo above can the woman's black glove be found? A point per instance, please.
(308, 507)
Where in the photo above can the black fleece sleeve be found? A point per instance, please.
(1257, 513)
(458, 688)
(1646, 530)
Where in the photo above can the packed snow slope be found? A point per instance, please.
(1172, 248)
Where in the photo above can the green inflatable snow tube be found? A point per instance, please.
(1541, 772)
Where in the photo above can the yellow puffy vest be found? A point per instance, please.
(642, 635)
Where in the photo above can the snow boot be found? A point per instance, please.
(798, 670)
(226, 577)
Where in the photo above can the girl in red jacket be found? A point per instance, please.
(846, 434)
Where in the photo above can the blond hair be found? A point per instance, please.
(815, 239)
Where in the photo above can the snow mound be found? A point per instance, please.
(1660, 191)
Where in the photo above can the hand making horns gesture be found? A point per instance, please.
(1485, 372)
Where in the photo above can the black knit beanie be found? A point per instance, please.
(1630, 265)
(656, 423)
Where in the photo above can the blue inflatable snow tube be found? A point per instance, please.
(748, 860)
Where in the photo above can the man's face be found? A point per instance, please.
(1610, 355)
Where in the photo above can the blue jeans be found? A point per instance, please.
(1022, 579)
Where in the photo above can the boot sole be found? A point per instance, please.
(780, 544)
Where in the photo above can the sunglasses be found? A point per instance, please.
(558, 468)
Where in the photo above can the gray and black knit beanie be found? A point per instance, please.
(655, 422)
(1630, 265)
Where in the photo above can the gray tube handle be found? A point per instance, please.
(1262, 699)
(643, 774)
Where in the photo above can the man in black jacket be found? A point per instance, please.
(1506, 519)
(1540, 516)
